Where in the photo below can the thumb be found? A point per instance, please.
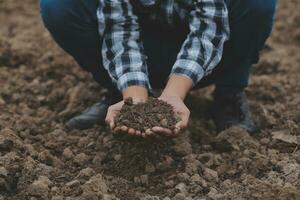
(183, 123)
(110, 119)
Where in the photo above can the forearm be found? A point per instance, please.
(178, 86)
(137, 93)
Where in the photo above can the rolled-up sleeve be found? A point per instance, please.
(122, 50)
(202, 50)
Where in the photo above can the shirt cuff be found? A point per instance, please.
(133, 79)
(188, 68)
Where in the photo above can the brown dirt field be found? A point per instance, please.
(41, 87)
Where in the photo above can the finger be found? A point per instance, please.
(112, 125)
(108, 114)
(162, 130)
(183, 123)
(110, 120)
(148, 133)
(131, 131)
(124, 128)
(116, 129)
(176, 131)
(179, 127)
(138, 133)
(143, 134)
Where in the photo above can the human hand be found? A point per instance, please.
(174, 93)
(138, 94)
(180, 110)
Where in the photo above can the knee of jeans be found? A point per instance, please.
(262, 10)
(54, 13)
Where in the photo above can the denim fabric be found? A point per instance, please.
(74, 26)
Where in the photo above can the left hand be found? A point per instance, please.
(181, 110)
(174, 93)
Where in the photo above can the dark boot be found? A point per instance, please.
(95, 114)
(230, 108)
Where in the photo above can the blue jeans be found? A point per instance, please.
(73, 25)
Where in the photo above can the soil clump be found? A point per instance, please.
(146, 115)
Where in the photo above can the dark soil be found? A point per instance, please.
(143, 116)
(41, 87)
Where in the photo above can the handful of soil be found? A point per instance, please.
(143, 116)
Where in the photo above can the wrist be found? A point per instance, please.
(177, 86)
(137, 93)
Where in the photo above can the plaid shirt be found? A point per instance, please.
(122, 50)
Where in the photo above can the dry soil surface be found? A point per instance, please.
(41, 87)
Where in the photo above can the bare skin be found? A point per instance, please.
(174, 93)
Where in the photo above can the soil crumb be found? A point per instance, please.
(146, 115)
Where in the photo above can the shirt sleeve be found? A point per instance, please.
(203, 47)
(122, 50)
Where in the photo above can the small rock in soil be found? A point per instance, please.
(86, 173)
(196, 178)
(6, 145)
(184, 177)
(72, 184)
(40, 187)
(3, 172)
(81, 159)
(97, 160)
(55, 190)
(58, 197)
(265, 141)
(226, 184)
(144, 179)
(182, 146)
(46, 157)
(30, 149)
(109, 197)
(211, 175)
(167, 162)
(94, 188)
(285, 136)
(68, 154)
(149, 197)
(234, 139)
(213, 194)
(149, 168)
(181, 187)
(169, 184)
(117, 157)
(179, 196)
(83, 142)
(137, 180)
(191, 164)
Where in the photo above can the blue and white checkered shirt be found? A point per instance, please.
(122, 50)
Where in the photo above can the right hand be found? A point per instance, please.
(112, 112)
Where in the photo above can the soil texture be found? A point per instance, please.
(41, 87)
(143, 116)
